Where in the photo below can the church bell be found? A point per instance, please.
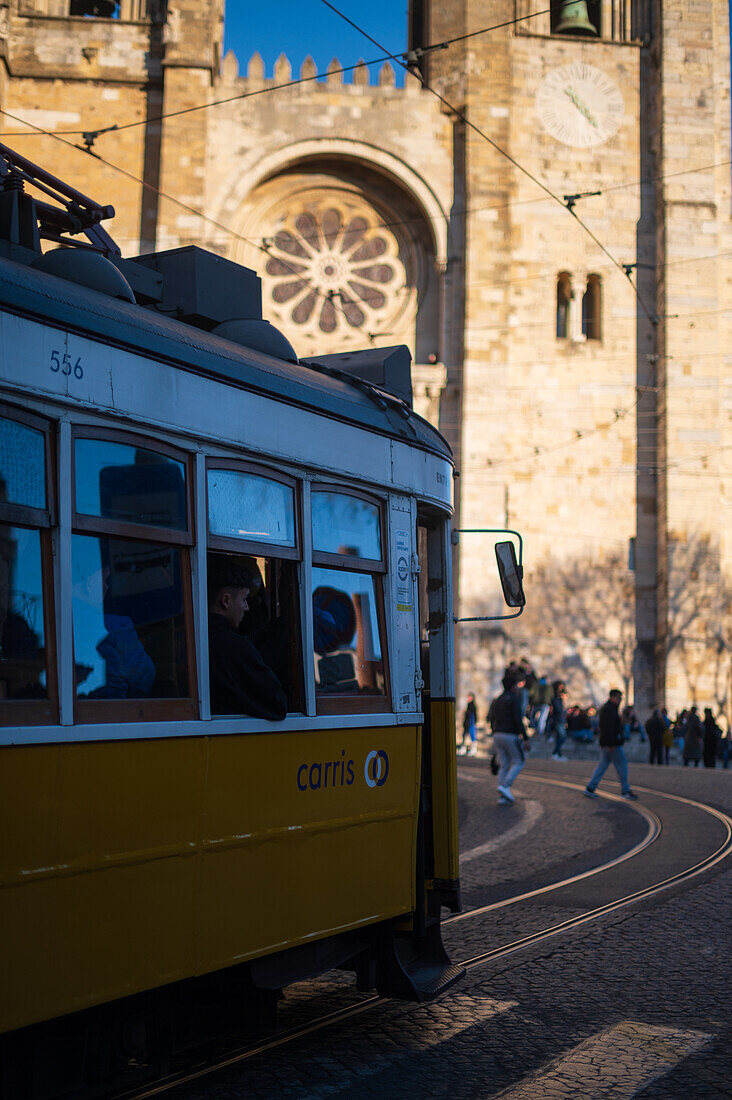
(574, 19)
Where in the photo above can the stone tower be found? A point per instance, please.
(595, 417)
(111, 70)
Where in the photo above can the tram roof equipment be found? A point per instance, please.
(186, 306)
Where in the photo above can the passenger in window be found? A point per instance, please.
(240, 681)
(128, 671)
(257, 624)
(334, 626)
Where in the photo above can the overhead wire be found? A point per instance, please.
(652, 318)
(550, 195)
(185, 206)
(319, 76)
(385, 56)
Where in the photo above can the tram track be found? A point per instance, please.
(654, 831)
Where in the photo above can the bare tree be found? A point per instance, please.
(579, 625)
(699, 629)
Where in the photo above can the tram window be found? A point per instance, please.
(255, 599)
(22, 621)
(346, 633)
(129, 622)
(346, 525)
(131, 602)
(22, 465)
(129, 484)
(253, 530)
(348, 606)
(243, 505)
(27, 660)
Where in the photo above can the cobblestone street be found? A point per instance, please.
(635, 1004)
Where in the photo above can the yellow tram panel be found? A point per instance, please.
(128, 864)
(444, 790)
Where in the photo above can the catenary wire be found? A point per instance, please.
(306, 79)
(185, 206)
(538, 452)
(652, 318)
(117, 127)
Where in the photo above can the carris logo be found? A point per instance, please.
(341, 773)
(376, 768)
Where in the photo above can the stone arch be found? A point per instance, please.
(352, 258)
(411, 182)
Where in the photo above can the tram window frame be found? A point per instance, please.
(36, 712)
(233, 544)
(346, 703)
(272, 551)
(145, 709)
(143, 531)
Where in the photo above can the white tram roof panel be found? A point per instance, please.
(65, 305)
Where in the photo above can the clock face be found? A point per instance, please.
(579, 105)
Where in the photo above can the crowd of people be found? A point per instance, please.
(546, 712)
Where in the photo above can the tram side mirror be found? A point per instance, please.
(511, 574)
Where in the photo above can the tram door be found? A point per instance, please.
(439, 841)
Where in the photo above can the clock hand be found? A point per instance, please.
(583, 110)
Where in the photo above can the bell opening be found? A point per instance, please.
(580, 17)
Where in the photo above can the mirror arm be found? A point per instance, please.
(494, 531)
(497, 531)
(490, 618)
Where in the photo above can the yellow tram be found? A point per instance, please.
(152, 428)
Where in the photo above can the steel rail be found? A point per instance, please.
(655, 828)
(705, 864)
(699, 868)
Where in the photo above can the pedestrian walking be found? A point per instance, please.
(558, 719)
(712, 739)
(611, 747)
(668, 739)
(469, 745)
(543, 695)
(693, 739)
(656, 728)
(506, 719)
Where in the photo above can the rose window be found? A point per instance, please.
(334, 269)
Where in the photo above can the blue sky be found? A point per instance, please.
(301, 27)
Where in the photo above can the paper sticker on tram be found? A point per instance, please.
(226, 654)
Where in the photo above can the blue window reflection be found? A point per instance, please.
(348, 655)
(347, 525)
(22, 465)
(129, 484)
(129, 631)
(22, 631)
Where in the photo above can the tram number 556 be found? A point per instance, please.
(63, 363)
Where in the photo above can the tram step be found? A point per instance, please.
(417, 971)
(430, 981)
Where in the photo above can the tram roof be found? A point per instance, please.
(64, 304)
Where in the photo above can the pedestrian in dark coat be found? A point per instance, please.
(611, 747)
(693, 739)
(506, 719)
(655, 728)
(712, 738)
(469, 745)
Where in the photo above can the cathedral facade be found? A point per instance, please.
(541, 213)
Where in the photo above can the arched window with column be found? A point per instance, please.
(564, 303)
(592, 308)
